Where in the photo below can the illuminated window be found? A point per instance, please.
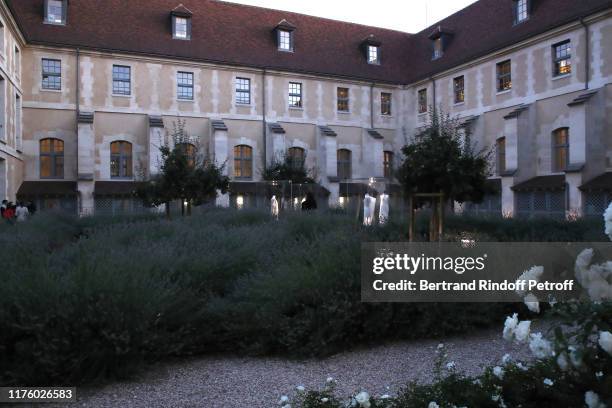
(243, 162)
(344, 164)
(560, 149)
(504, 76)
(52, 158)
(562, 58)
(422, 101)
(295, 95)
(385, 103)
(343, 99)
(184, 82)
(121, 160)
(459, 89)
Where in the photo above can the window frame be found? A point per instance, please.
(125, 161)
(53, 155)
(438, 48)
(503, 79)
(296, 95)
(63, 14)
(283, 35)
(118, 80)
(185, 82)
(459, 91)
(344, 165)
(560, 147)
(388, 157)
(521, 11)
(422, 105)
(559, 58)
(296, 161)
(175, 25)
(343, 102)
(386, 104)
(51, 74)
(373, 51)
(500, 154)
(243, 162)
(240, 92)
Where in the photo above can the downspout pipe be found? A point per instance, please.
(78, 108)
(264, 125)
(372, 105)
(587, 52)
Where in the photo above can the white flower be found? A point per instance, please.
(506, 359)
(386, 396)
(549, 382)
(363, 399)
(284, 399)
(521, 367)
(540, 347)
(324, 399)
(533, 274)
(440, 346)
(329, 380)
(532, 303)
(596, 279)
(605, 341)
(562, 361)
(450, 365)
(608, 221)
(599, 374)
(300, 388)
(432, 404)
(575, 357)
(286, 406)
(521, 333)
(509, 326)
(498, 372)
(592, 400)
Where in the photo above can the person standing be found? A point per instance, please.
(310, 203)
(21, 212)
(3, 208)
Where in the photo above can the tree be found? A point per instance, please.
(288, 168)
(442, 161)
(185, 174)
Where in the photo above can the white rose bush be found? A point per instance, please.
(571, 363)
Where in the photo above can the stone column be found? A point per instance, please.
(373, 153)
(219, 152)
(86, 159)
(327, 155)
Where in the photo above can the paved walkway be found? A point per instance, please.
(234, 382)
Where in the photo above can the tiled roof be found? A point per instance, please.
(234, 34)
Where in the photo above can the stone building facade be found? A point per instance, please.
(90, 93)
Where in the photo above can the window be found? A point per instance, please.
(501, 155)
(343, 99)
(521, 11)
(55, 12)
(560, 149)
(121, 160)
(504, 76)
(51, 74)
(51, 158)
(344, 164)
(122, 82)
(285, 40)
(459, 89)
(295, 95)
(17, 62)
(385, 103)
(388, 164)
(243, 162)
(189, 151)
(437, 48)
(296, 157)
(182, 28)
(18, 135)
(373, 54)
(243, 91)
(422, 101)
(184, 82)
(562, 58)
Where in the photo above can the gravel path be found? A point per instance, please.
(234, 382)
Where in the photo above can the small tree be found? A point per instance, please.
(288, 168)
(441, 161)
(185, 174)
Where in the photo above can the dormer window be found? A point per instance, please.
(181, 23)
(371, 48)
(284, 36)
(55, 11)
(521, 11)
(441, 38)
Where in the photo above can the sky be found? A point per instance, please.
(404, 15)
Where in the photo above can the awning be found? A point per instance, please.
(356, 189)
(602, 182)
(267, 188)
(542, 183)
(116, 188)
(47, 189)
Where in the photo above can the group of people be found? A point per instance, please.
(10, 212)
